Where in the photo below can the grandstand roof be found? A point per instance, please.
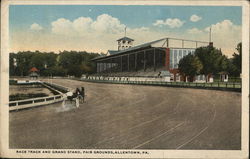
(142, 46)
(112, 52)
(126, 39)
(133, 48)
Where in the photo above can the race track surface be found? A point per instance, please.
(118, 116)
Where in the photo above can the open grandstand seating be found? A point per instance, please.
(149, 72)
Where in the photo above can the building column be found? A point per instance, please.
(117, 66)
(100, 67)
(112, 65)
(167, 59)
(128, 62)
(154, 60)
(167, 42)
(105, 64)
(136, 61)
(121, 63)
(144, 60)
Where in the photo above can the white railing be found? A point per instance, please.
(33, 102)
(165, 81)
(124, 79)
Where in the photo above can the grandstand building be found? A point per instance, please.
(148, 59)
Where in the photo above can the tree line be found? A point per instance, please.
(74, 63)
(210, 60)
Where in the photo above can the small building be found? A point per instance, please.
(33, 73)
(223, 76)
(165, 75)
(125, 43)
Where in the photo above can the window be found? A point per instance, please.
(171, 58)
(175, 59)
(184, 52)
(180, 55)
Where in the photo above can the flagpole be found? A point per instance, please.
(210, 34)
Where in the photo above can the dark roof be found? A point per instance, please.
(112, 52)
(126, 39)
(132, 48)
(223, 73)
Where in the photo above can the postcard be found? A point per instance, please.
(124, 79)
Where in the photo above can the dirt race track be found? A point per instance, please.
(133, 117)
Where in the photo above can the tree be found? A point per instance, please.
(212, 59)
(77, 63)
(236, 60)
(23, 61)
(66, 62)
(190, 65)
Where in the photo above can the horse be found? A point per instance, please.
(72, 97)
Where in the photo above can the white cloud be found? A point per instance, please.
(159, 23)
(172, 23)
(82, 24)
(225, 35)
(108, 24)
(36, 27)
(85, 25)
(195, 18)
(194, 31)
(62, 26)
(225, 25)
(100, 34)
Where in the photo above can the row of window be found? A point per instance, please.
(123, 42)
(177, 54)
(123, 47)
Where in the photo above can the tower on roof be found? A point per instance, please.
(125, 43)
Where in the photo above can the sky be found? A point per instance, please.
(95, 28)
